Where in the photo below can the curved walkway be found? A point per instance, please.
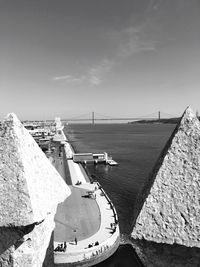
(106, 239)
(70, 218)
(105, 230)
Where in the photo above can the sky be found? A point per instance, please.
(119, 58)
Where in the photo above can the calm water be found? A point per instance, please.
(135, 147)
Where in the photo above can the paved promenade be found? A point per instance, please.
(71, 220)
(105, 218)
(86, 223)
(76, 173)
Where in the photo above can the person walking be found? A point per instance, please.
(75, 241)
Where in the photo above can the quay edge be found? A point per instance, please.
(109, 242)
(90, 257)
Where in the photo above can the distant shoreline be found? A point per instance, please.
(169, 121)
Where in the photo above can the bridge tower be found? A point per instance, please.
(158, 115)
(93, 117)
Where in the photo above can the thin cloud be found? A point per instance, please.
(69, 79)
(94, 80)
(133, 40)
(97, 73)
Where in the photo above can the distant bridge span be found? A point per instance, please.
(111, 119)
(90, 117)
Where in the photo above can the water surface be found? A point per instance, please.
(136, 148)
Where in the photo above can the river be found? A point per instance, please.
(135, 147)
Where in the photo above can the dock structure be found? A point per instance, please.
(87, 230)
(93, 157)
(90, 157)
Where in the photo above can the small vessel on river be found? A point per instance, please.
(112, 162)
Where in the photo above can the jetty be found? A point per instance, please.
(87, 229)
(94, 158)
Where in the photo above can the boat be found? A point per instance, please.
(112, 162)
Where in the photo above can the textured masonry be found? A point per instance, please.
(30, 190)
(168, 210)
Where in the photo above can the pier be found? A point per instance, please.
(87, 230)
(94, 158)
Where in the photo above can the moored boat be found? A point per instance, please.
(112, 162)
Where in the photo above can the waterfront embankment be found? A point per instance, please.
(87, 230)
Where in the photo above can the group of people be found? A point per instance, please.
(93, 244)
(113, 227)
(91, 194)
(61, 247)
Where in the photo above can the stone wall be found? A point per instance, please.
(30, 190)
(167, 213)
(154, 254)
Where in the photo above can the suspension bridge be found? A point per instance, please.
(97, 117)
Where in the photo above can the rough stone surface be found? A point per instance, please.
(30, 190)
(164, 255)
(30, 187)
(169, 209)
(27, 246)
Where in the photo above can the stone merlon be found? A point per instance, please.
(30, 187)
(169, 208)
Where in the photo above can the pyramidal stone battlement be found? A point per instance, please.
(166, 229)
(30, 190)
(30, 186)
(169, 211)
